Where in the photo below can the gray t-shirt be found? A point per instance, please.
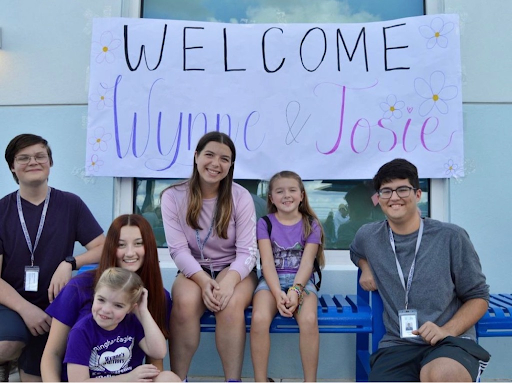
(447, 273)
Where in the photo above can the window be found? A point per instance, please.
(338, 203)
(342, 206)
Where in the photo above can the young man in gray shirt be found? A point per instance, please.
(431, 282)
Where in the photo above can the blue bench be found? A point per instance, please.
(497, 321)
(362, 314)
(336, 314)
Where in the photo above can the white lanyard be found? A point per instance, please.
(201, 245)
(24, 225)
(399, 268)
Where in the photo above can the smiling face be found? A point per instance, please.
(110, 307)
(286, 195)
(402, 213)
(213, 164)
(130, 250)
(33, 173)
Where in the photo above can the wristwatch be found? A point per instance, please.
(72, 260)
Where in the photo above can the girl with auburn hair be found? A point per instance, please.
(130, 244)
(158, 302)
(210, 227)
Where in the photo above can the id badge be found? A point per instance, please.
(408, 323)
(31, 278)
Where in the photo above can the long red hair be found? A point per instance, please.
(150, 270)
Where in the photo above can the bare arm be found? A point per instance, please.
(93, 253)
(268, 267)
(306, 264)
(303, 274)
(143, 373)
(37, 321)
(62, 274)
(154, 344)
(467, 315)
(53, 355)
(366, 280)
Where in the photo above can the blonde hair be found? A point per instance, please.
(117, 278)
(308, 215)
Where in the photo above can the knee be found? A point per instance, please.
(308, 323)
(185, 311)
(10, 350)
(260, 322)
(232, 315)
(444, 370)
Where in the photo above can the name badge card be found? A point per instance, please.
(31, 278)
(408, 323)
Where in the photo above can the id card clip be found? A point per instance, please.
(31, 278)
(408, 320)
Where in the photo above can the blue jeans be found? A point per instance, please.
(286, 281)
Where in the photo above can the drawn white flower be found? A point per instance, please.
(103, 97)
(392, 107)
(435, 93)
(436, 32)
(103, 48)
(95, 163)
(99, 139)
(451, 168)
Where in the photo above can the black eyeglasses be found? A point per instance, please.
(402, 192)
(24, 159)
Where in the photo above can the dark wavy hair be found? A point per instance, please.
(397, 169)
(150, 270)
(23, 141)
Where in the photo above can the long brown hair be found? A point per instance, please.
(224, 207)
(149, 271)
(308, 214)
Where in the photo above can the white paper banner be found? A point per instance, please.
(329, 101)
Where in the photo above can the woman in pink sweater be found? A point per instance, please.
(210, 227)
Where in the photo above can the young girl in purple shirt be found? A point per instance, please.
(112, 339)
(288, 255)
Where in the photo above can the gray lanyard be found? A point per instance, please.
(399, 268)
(201, 245)
(24, 225)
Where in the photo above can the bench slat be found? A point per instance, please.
(497, 321)
(335, 315)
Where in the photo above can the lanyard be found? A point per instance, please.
(399, 268)
(24, 225)
(201, 245)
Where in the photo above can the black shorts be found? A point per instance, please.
(13, 328)
(215, 274)
(403, 363)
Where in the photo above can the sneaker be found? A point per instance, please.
(5, 370)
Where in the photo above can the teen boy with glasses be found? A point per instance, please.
(431, 283)
(38, 229)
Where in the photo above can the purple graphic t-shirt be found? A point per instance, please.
(106, 353)
(288, 242)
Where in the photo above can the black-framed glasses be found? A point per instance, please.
(24, 159)
(401, 191)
